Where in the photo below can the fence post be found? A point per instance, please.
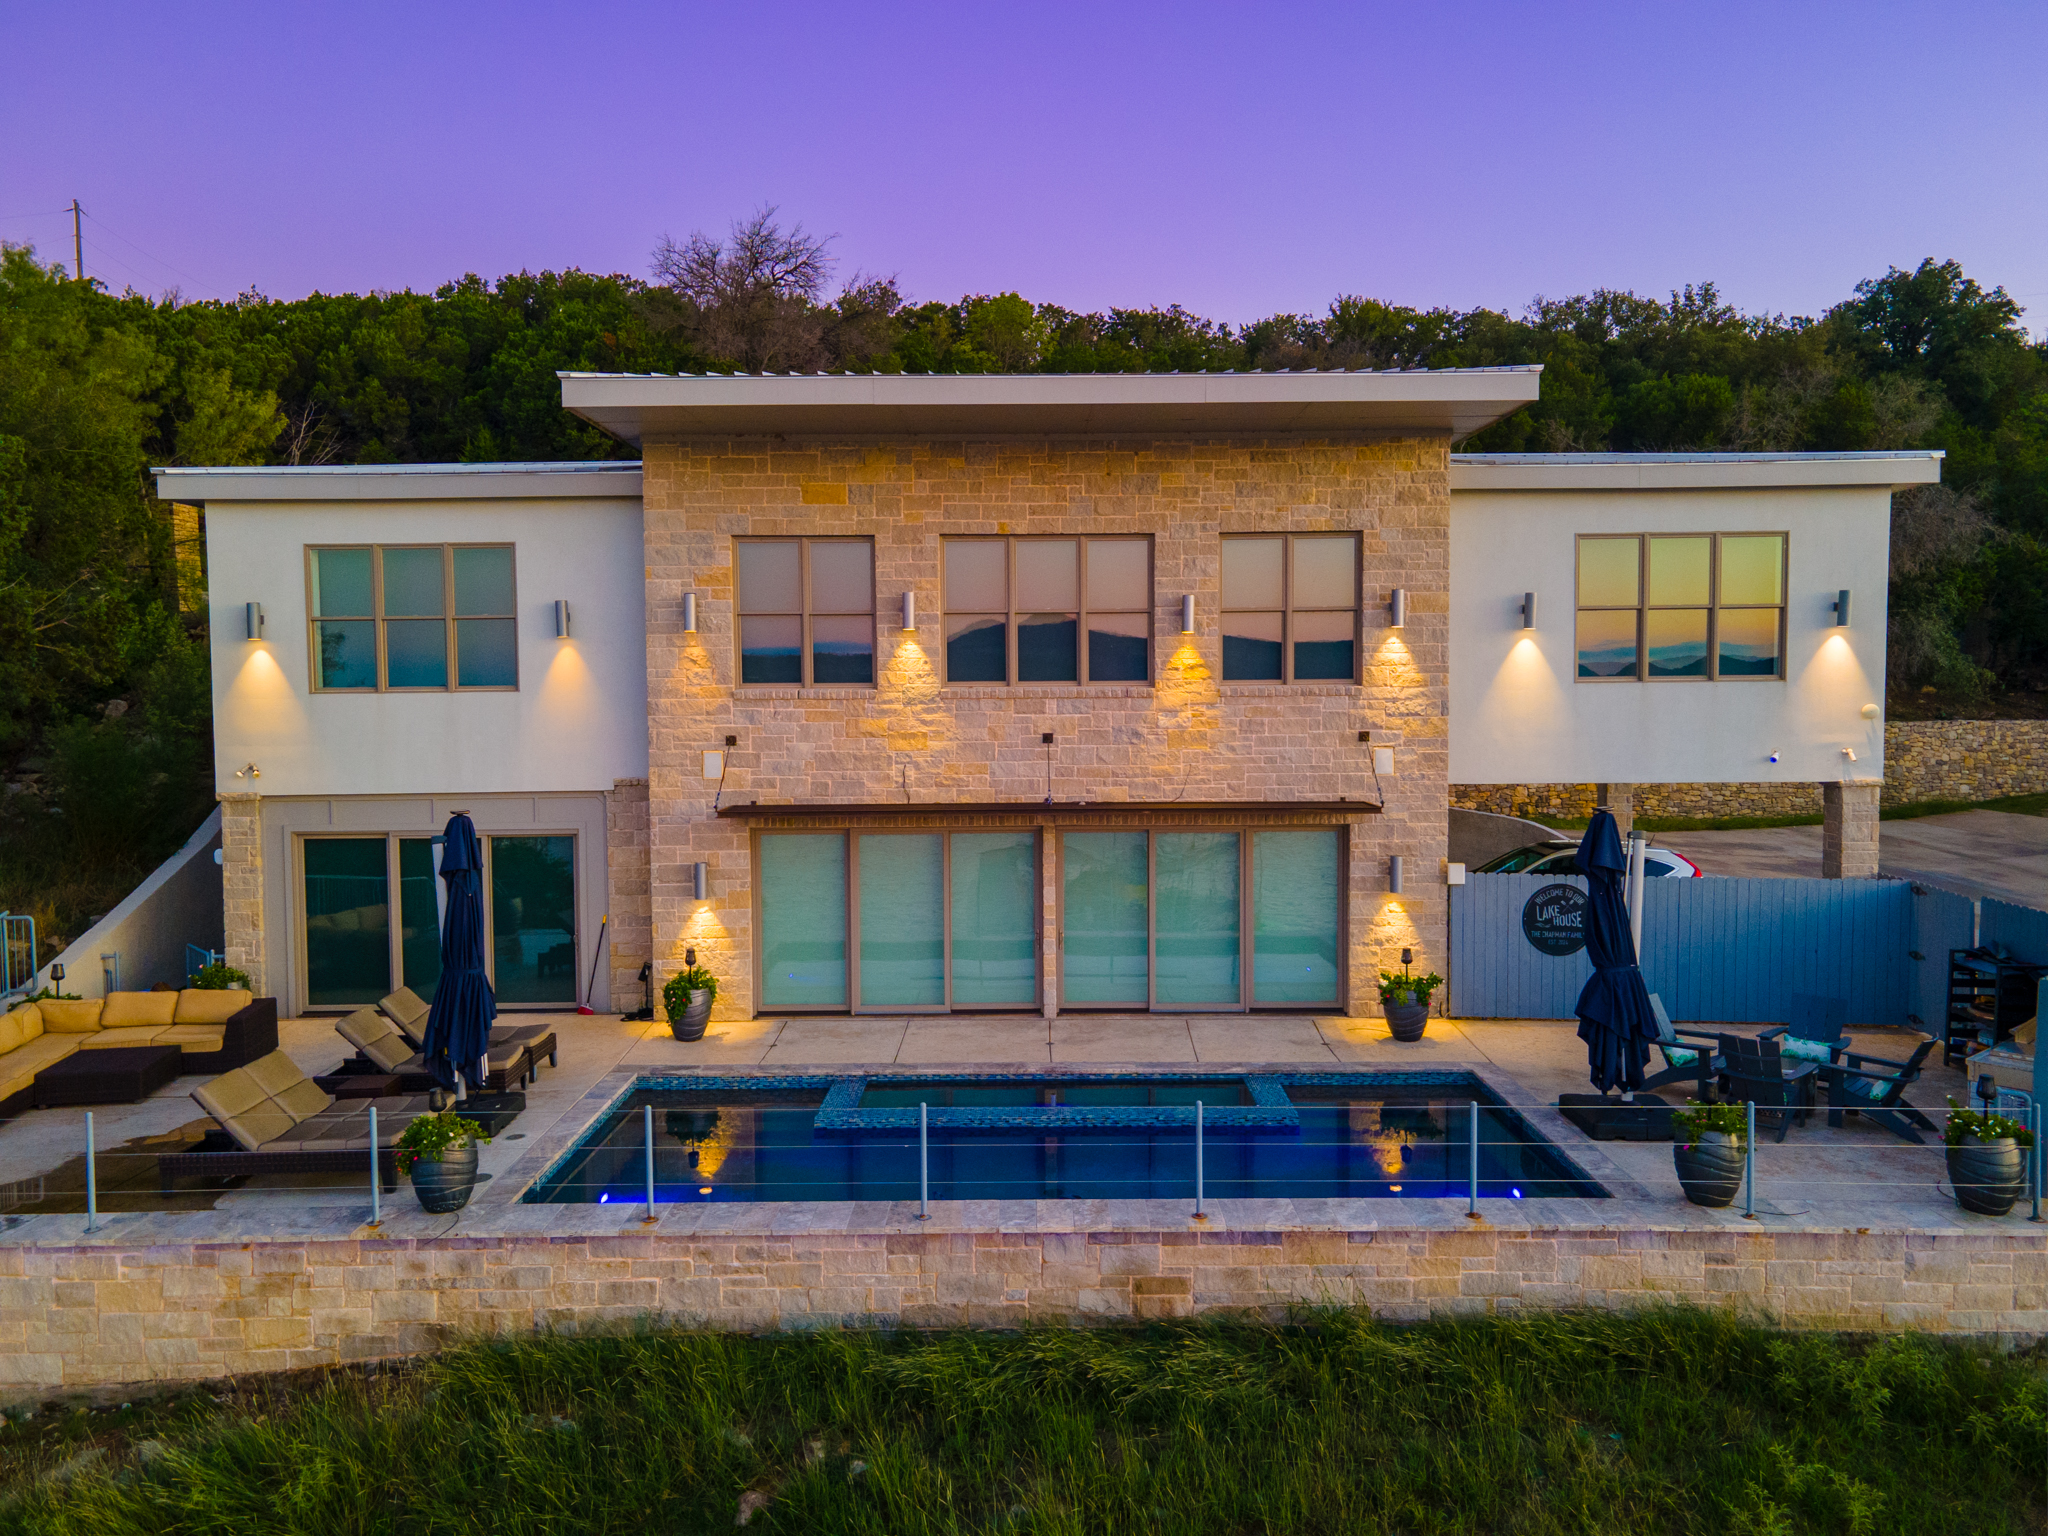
(92, 1183)
(376, 1175)
(1472, 1172)
(1200, 1214)
(1749, 1165)
(924, 1162)
(647, 1124)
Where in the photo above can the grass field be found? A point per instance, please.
(1665, 1422)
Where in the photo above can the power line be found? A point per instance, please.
(104, 227)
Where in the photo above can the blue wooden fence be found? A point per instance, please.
(1736, 950)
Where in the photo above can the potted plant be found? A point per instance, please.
(1707, 1150)
(438, 1153)
(1985, 1166)
(1405, 1001)
(688, 997)
(218, 977)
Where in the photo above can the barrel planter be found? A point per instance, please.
(447, 1185)
(1709, 1167)
(1407, 1018)
(689, 1024)
(1988, 1176)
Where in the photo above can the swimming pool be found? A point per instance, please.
(1076, 1137)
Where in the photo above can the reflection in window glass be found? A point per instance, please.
(1752, 568)
(1196, 940)
(412, 582)
(341, 584)
(486, 653)
(1119, 647)
(783, 639)
(1711, 606)
(1251, 647)
(416, 653)
(1749, 642)
(995, 918)
(842, 576)
(483, 581)
(1313, 639)
(843, 649)
(771, 649)
(902, 921)
(1607, 642)
(977, 649)
(1675, 641)
(1609, 572)
(977, 576)
(345, 654)
(1252, 573)
(1681, 572)
(419, 916)
(403, 614)
(1119, 575)
(803, 920)
(1295, 915)
(1105, 917)
(1048, 574)
(533, 919)
(1038, 639)
(1047, 649)
(1325, 646)
(770, 577)
(1326, 571)
(348, 921)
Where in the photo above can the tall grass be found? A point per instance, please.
(1665, 1422)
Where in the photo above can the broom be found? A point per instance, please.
(584, 1006)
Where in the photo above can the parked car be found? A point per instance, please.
(1558, 858)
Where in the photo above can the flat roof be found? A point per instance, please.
(399, 482)
(637, 406)
(1690, 471)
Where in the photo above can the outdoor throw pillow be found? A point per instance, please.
(61, 1017)
(210, 1005)
(126, 1010)
(1679, 1056)
(1805, 1050)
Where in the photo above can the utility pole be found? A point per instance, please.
(77, 240)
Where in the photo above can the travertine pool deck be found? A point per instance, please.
(1852, 1227)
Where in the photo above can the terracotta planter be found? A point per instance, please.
(689, 1024)
(1989, 1177)
(447, 1185)
(1710, 1168)
(1406, 1019)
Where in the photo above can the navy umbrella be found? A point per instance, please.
(1614, 1013)
(459, 1023)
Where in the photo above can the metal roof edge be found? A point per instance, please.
(1692, 471)
(603, 478)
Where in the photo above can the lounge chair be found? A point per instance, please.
(279, 1121)
(406, 1009)
(1875, 1088)
(1689, 1055)
(1755, 1070)
(1817, 1024)
(383, 1047)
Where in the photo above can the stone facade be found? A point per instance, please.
(1187, 736)
(630, 904)
(1848, 849)
(87, 1315)
(241, 869)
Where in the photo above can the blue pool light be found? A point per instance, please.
(1515, 1192)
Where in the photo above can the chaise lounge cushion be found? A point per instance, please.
(271, 1105)
(129, 1010)
(245, 1111)
(378, 1038)
(18, 1068)
(20, 1025)
(62, 1017)
(203, 1005)
(408, 1010)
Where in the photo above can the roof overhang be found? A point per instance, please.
(1690, 471)
(1057, 812)
(401, 482)
(1456, 401)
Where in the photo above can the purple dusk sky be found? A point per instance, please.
(1235, 159)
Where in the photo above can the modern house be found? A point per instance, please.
(998, 694)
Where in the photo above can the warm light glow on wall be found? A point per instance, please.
(1392, 665)
(1526, 696)
(261, 708)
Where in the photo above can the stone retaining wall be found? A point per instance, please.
(1924, 760)
(88, 1315)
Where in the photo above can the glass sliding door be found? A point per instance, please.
(902, 920)
(419, 916)
(348, 920)
(1106, 917)
(802, 887)
(1197, 933)
(1296, 916)
(533, 919)
(995, 911)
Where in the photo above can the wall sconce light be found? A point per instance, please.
(249, 771)
(1187, 614)
(1849, 753)
(1841, 607)
(700, 880)
(1397, 608)
(1394, 874)
(561, 618)
(1528, 610)
(252, 619)
(910, 610)
(689, 613)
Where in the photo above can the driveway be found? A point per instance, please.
(1975, 853)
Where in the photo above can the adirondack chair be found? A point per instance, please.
(1817, 1022)
(1875, 1088)
(1755, 1070)
(1689, 1055)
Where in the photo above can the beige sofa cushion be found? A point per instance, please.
(20, 1025)
(70, 1018)
(193, 1038)
(116, 1039)
(18, 1068)
(126, 1009)
(198, 1005)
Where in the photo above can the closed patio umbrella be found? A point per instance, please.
(459, 1021)
(1614, 1013)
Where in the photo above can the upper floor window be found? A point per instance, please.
(807, 611)
(1018, 609)
(1695, 605)
(396, 616)
(1290, 607)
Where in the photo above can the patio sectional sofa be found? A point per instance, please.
(214, 1030)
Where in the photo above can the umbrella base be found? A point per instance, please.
(1604, 1117)
(492, 1112)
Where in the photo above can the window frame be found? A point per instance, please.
(1080, 541)
(807, 614)
(378, 619)
(1643, 607)
(1288, 607)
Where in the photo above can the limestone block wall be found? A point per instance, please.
(630, 903)
(88, 1315)
(911, 739)
(241, 867)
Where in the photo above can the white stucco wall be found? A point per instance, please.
(578, 720)
(1519, 716)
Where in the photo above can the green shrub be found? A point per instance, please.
(218, 978)
(432, 1136)
(675, 993)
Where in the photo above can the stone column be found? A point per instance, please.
(241, 883)
(1848, 849)
(1619, 800)
(629, 891)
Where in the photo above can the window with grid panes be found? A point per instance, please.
(405, 616)
(1290, 607)
(1048, 610)
(806, 611)
(1706, 606)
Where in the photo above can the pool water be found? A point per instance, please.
(1377, 1140)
